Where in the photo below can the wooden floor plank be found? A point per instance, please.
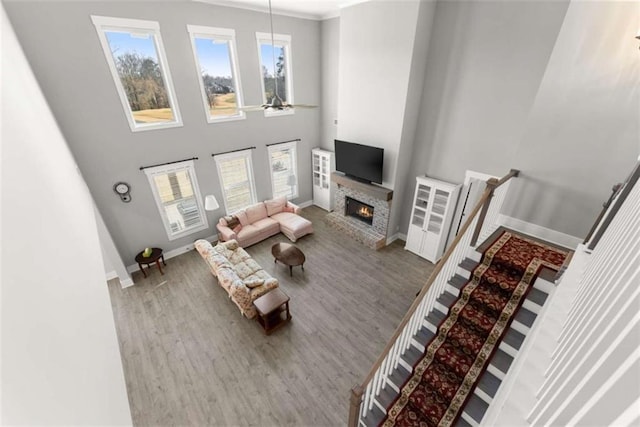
(190, 358)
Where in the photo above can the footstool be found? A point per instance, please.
(294, 226)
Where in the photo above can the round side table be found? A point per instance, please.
(156, 256)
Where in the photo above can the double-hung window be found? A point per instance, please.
(283, 166)
(235, 171)
(135, 54)
(275, 69)
(175, 189)
(215, 54)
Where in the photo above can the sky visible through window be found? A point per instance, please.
(267, 58)
(214, 57)
(121, 43)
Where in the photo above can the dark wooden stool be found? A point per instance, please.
(271, 307)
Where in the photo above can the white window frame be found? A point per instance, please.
(283, 40)
(177, 167)
(223, 34)
(152, 28)
(293, 146)
(252, 182)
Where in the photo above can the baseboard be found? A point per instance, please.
(305, 204)
(126, 283)
(173, 253)
(540, 232)
(395, 237)
(111, 275)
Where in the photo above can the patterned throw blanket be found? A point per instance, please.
(456, 357)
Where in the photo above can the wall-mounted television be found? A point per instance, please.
(362, 162)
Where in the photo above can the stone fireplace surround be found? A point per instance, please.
(373, 236)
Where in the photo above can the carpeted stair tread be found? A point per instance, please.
(412, 355)
(447, 299)
(435, 317)
(476, 408)
(373, 417)
(537, 296)
(501, 360)
(386, 396)
(423, 336)
(399, 375)
(526, 317)
(489, 383)
(513, 338)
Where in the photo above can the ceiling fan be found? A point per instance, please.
(276, 102)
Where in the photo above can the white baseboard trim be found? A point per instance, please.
(173, 253)
(305, 204)
(540, 232)
(111, 275)
(395, 237)
(126, 283)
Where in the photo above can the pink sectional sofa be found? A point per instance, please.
(263, 220)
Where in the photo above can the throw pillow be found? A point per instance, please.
(237, 228)
(242, 217)
(253, 282)
(233, 222)
(276, 205)
(288, 209)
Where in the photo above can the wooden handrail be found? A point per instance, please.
(492, 184)
(356, 392)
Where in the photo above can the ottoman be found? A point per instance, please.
(293, 226)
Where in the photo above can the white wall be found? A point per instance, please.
(330, 39)
(60, 358)
(376, 53)
(528, 85)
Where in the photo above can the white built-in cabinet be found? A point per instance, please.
(431, 214)
(322, 164)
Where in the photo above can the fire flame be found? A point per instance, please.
(365, 212)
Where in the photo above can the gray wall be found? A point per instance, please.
(330, 38)
(496, 98)
(63, 49)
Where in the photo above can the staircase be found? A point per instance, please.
(499, 365)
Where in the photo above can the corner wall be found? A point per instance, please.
(60, 360)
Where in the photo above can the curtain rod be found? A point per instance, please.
(167, 163)
(283, 142)
(233, 151)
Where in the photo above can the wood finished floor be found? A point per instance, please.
(190, 358)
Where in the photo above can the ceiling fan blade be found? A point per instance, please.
(303, 106)
(253, 108)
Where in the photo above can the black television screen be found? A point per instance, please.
(359, 161)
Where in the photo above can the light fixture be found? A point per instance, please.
(210, 203)
(276, 102)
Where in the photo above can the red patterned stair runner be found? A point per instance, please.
(456, 357)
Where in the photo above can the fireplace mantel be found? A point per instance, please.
(370, 189)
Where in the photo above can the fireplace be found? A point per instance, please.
(359, 210)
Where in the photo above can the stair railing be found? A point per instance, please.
(362, 396)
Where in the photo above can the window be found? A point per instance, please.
(176, 192)
(135, 54)
(280, 53)
(215, 54)
(236, 176)
(283, 167)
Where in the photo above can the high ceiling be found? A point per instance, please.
(311, 9)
